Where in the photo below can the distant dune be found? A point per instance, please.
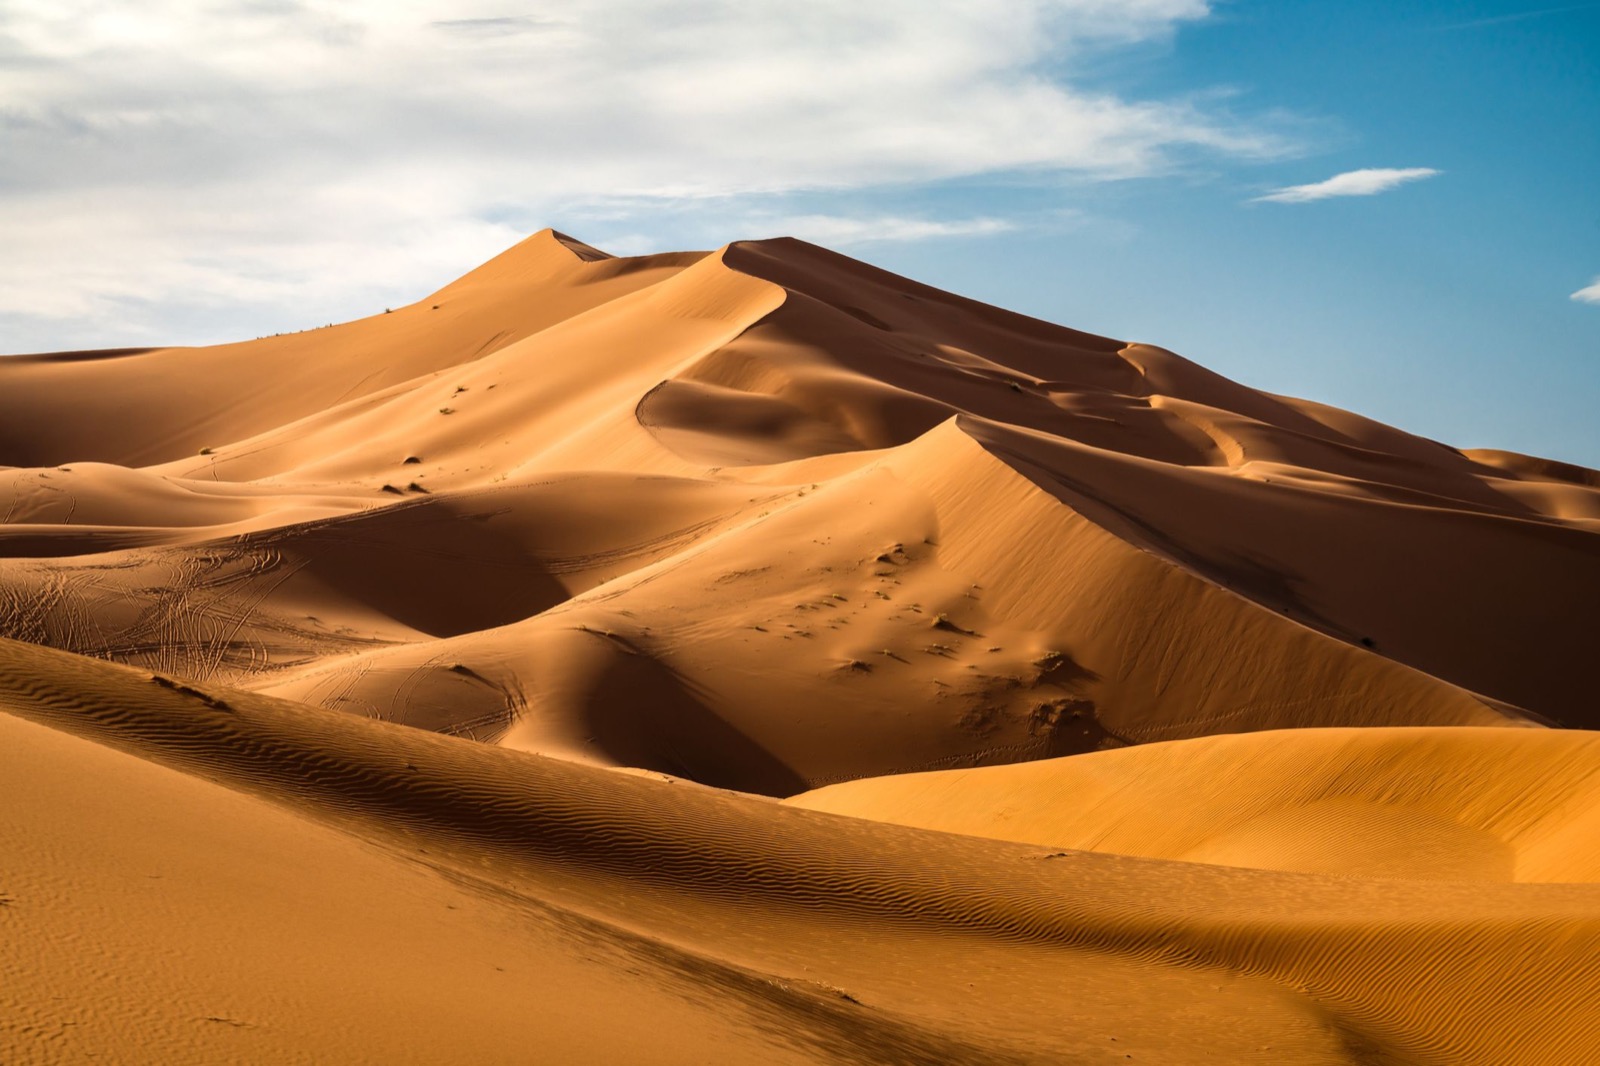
(1174, 721)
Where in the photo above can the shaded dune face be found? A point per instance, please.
(1118, 710)
(864, 526)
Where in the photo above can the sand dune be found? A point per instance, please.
(1164, 709)
(934, 947)
(1432, 804)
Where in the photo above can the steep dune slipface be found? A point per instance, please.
(769, 519)
(1312, 511)
(943, 610)
(907, 481)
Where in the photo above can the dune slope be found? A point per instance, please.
(1035, 542)
(425, 686)
(1431, 804)
(936, 947)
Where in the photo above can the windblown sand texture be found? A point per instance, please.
(1118, 712)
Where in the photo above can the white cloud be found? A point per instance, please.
(840, 231)
(1351, 183)
(1589, 294)
(301, 159)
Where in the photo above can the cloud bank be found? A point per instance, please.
(1351, 183)
(1589, 294)
(167, 164)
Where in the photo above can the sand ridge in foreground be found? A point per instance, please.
(899, 926)
(1171, 719)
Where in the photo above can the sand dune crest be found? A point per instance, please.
(425, 687)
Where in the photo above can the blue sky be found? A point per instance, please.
(1441, 306)
(177, 173)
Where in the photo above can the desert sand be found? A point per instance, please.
(753, 656)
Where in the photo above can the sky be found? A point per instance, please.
(1392, 208)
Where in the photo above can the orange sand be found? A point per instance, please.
(1144, 692)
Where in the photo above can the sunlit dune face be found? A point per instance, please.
(755, 656)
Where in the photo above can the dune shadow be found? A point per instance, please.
(438, 572)
(643, 713)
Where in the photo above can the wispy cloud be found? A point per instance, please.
(1518, 16)
(845, 230)
(1589, 294)
(626, 228)
(265, 155)
(1351, 183)
(497, 25)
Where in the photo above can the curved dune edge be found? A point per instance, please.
(956, 612)
(768, 519)
(1413, 803)
(837, 396)
(1403, 972)
(788, 368)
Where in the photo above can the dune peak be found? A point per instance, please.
(602, 637)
